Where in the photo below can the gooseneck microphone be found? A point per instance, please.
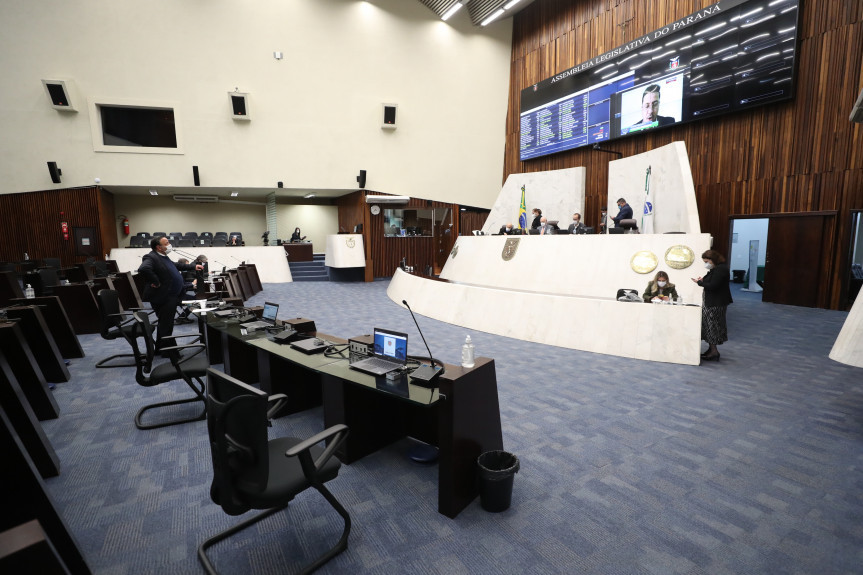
(425, 374)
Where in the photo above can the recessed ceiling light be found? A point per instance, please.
(235, 194)
(309, 196)
(153, 192)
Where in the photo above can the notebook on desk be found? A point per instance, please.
(268, 318)
(389, 352)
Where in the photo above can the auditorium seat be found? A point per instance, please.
(138, 242)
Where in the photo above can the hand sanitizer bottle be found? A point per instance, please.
(29, 292)
(467, 357)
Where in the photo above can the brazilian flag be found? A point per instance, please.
(522, 212)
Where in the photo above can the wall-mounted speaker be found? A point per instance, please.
(55, 172)
(361, 179)
(62, 94)
(389, 111)
(239, 105)
(196, 176)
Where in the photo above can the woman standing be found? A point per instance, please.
(717, 296)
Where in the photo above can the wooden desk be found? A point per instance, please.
(19, 470)
(9, 287)
(80, 304)
(27, 372)
(303, 252)
(58, 323)
(41, 342)
(463, 420)
(17, 407)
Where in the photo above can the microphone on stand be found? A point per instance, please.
(424, 375)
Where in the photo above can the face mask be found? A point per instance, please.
(661, 283)
(169, 248)
(575, 222)
(708, 265)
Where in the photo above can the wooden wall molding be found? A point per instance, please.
(802, 155)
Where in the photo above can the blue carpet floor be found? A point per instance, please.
(753, 464)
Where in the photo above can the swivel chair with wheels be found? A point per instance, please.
(187, 362)
(252, 472)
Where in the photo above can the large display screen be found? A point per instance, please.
(732, 55)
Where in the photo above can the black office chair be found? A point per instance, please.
(48, 278)
(203, 242)
(114, 324)
(145, 235)
(191, 235)
(629, 226)
(186, 243)
(159, 234)
(205, 235)
(252, 472)
(187, 362)
(138, 242)
(176, 234)
(53, 263)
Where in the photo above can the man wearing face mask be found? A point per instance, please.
(164, 286)
(576, 227)
(508, 230)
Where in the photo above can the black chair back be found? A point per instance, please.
(48, 278)
(109, 309)
(237, 426)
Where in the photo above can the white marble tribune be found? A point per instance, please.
(560, 290)
(848, 348)
(558, 193)
(271, 262)
(345, 251)
(672, 191)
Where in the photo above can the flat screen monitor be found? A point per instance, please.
(730, 56)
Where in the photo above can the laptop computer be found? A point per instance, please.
(389, 352)
(268, 318)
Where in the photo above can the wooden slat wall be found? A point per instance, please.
(798, 156)
(386, 253)
(31, 223)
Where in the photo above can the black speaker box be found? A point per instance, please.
(361, 179)
(389, 115)
(238, 105)
(54, 171)
(195, 175)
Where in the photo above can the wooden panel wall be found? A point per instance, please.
(31, 223)
(386, 253)
(798, 156)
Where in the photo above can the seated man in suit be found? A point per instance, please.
(508, 230)
(576, 227)
(545, 228)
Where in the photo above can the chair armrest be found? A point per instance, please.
(280, 400)
(338, 432)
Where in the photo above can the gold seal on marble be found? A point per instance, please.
(679, 257)
(643, 262)
(509, 249)
(350, 242)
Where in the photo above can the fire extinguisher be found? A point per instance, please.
(126, 226)
(64, 227)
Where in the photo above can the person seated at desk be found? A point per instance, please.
(545, 228)
(235, 241)
(660, 289)
(625, 212)
(577, 226)
(508, 230)
(297, 236)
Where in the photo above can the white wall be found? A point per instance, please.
(315, 222)
(162, 214)
(748, 229)
(316, 114)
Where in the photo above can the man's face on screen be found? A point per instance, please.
(650, 107)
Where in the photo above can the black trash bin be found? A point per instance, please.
(496, 472)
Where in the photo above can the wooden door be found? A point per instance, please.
(797, 262)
